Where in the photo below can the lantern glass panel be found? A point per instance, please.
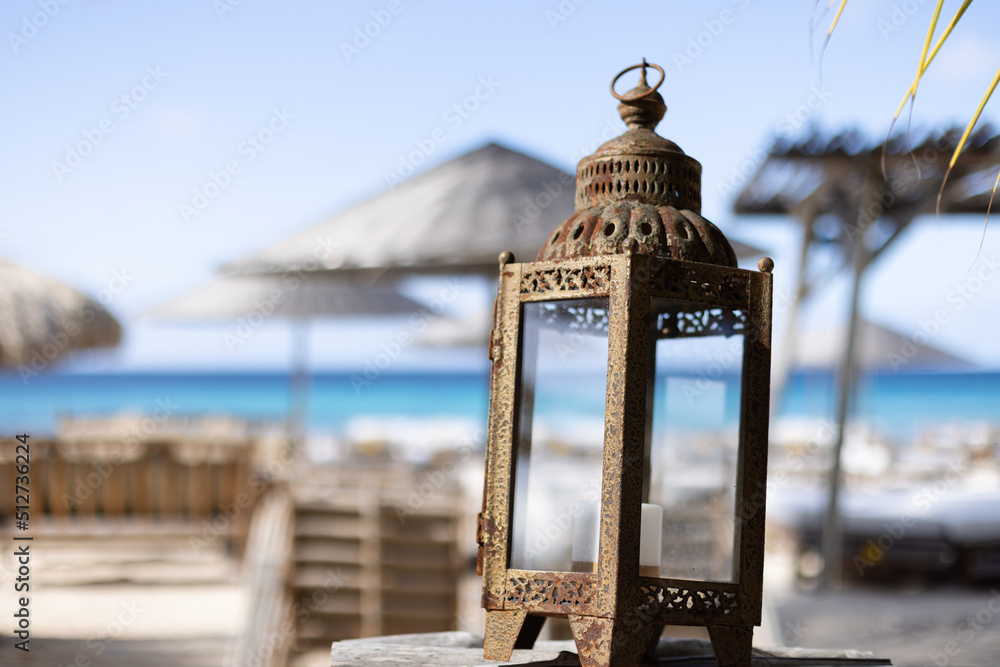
(693, 422)
(559, 449)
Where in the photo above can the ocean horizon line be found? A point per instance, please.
(821, 372)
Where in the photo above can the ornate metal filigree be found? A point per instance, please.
(567, 592)
(684, 322)
(575, 315)
(670, 178)
(566, 279)
(698, 601)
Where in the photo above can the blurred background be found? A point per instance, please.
(248, 255)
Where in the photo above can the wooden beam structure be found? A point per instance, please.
(857, 197)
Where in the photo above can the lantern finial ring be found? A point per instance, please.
(642, 95)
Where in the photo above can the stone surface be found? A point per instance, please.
(463, 649)
(448, 649)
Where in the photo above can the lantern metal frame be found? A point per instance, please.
(615, 613)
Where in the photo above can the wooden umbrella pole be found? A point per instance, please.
(833, 528)
(298, 409)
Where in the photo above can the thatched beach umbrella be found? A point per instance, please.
(299, 297)
(291, 296)
(41, 319)
(455, 218)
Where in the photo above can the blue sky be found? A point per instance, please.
(166, 94)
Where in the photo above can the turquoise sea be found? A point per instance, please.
(894, 403)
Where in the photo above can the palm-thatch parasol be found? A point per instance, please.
(291, 296)
(298, 297)
(41, 319)
(455, 218)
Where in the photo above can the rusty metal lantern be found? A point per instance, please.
(629, 358)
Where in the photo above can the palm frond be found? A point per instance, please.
(925, 61)
(965, 137)
(989, 207)
(829, 33)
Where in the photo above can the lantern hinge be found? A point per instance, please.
(480, 542)
(493, 331)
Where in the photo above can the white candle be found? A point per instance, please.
(587, 531)
(650, 540)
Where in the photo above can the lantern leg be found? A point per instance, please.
(503, 633)
(601, 642)
(654, 640)
(732, 644)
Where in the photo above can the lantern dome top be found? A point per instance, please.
(639, 186)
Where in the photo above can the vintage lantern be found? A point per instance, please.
(627, 445)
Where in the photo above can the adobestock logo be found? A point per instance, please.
(704, 39)
(900, 16)
(57, 342)
(533, 206)
(38, 20)
(419, 322)
(255, 143)
(958, 297)
(455, 116)
(561, 12)
(122, 107)
(381, 18)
